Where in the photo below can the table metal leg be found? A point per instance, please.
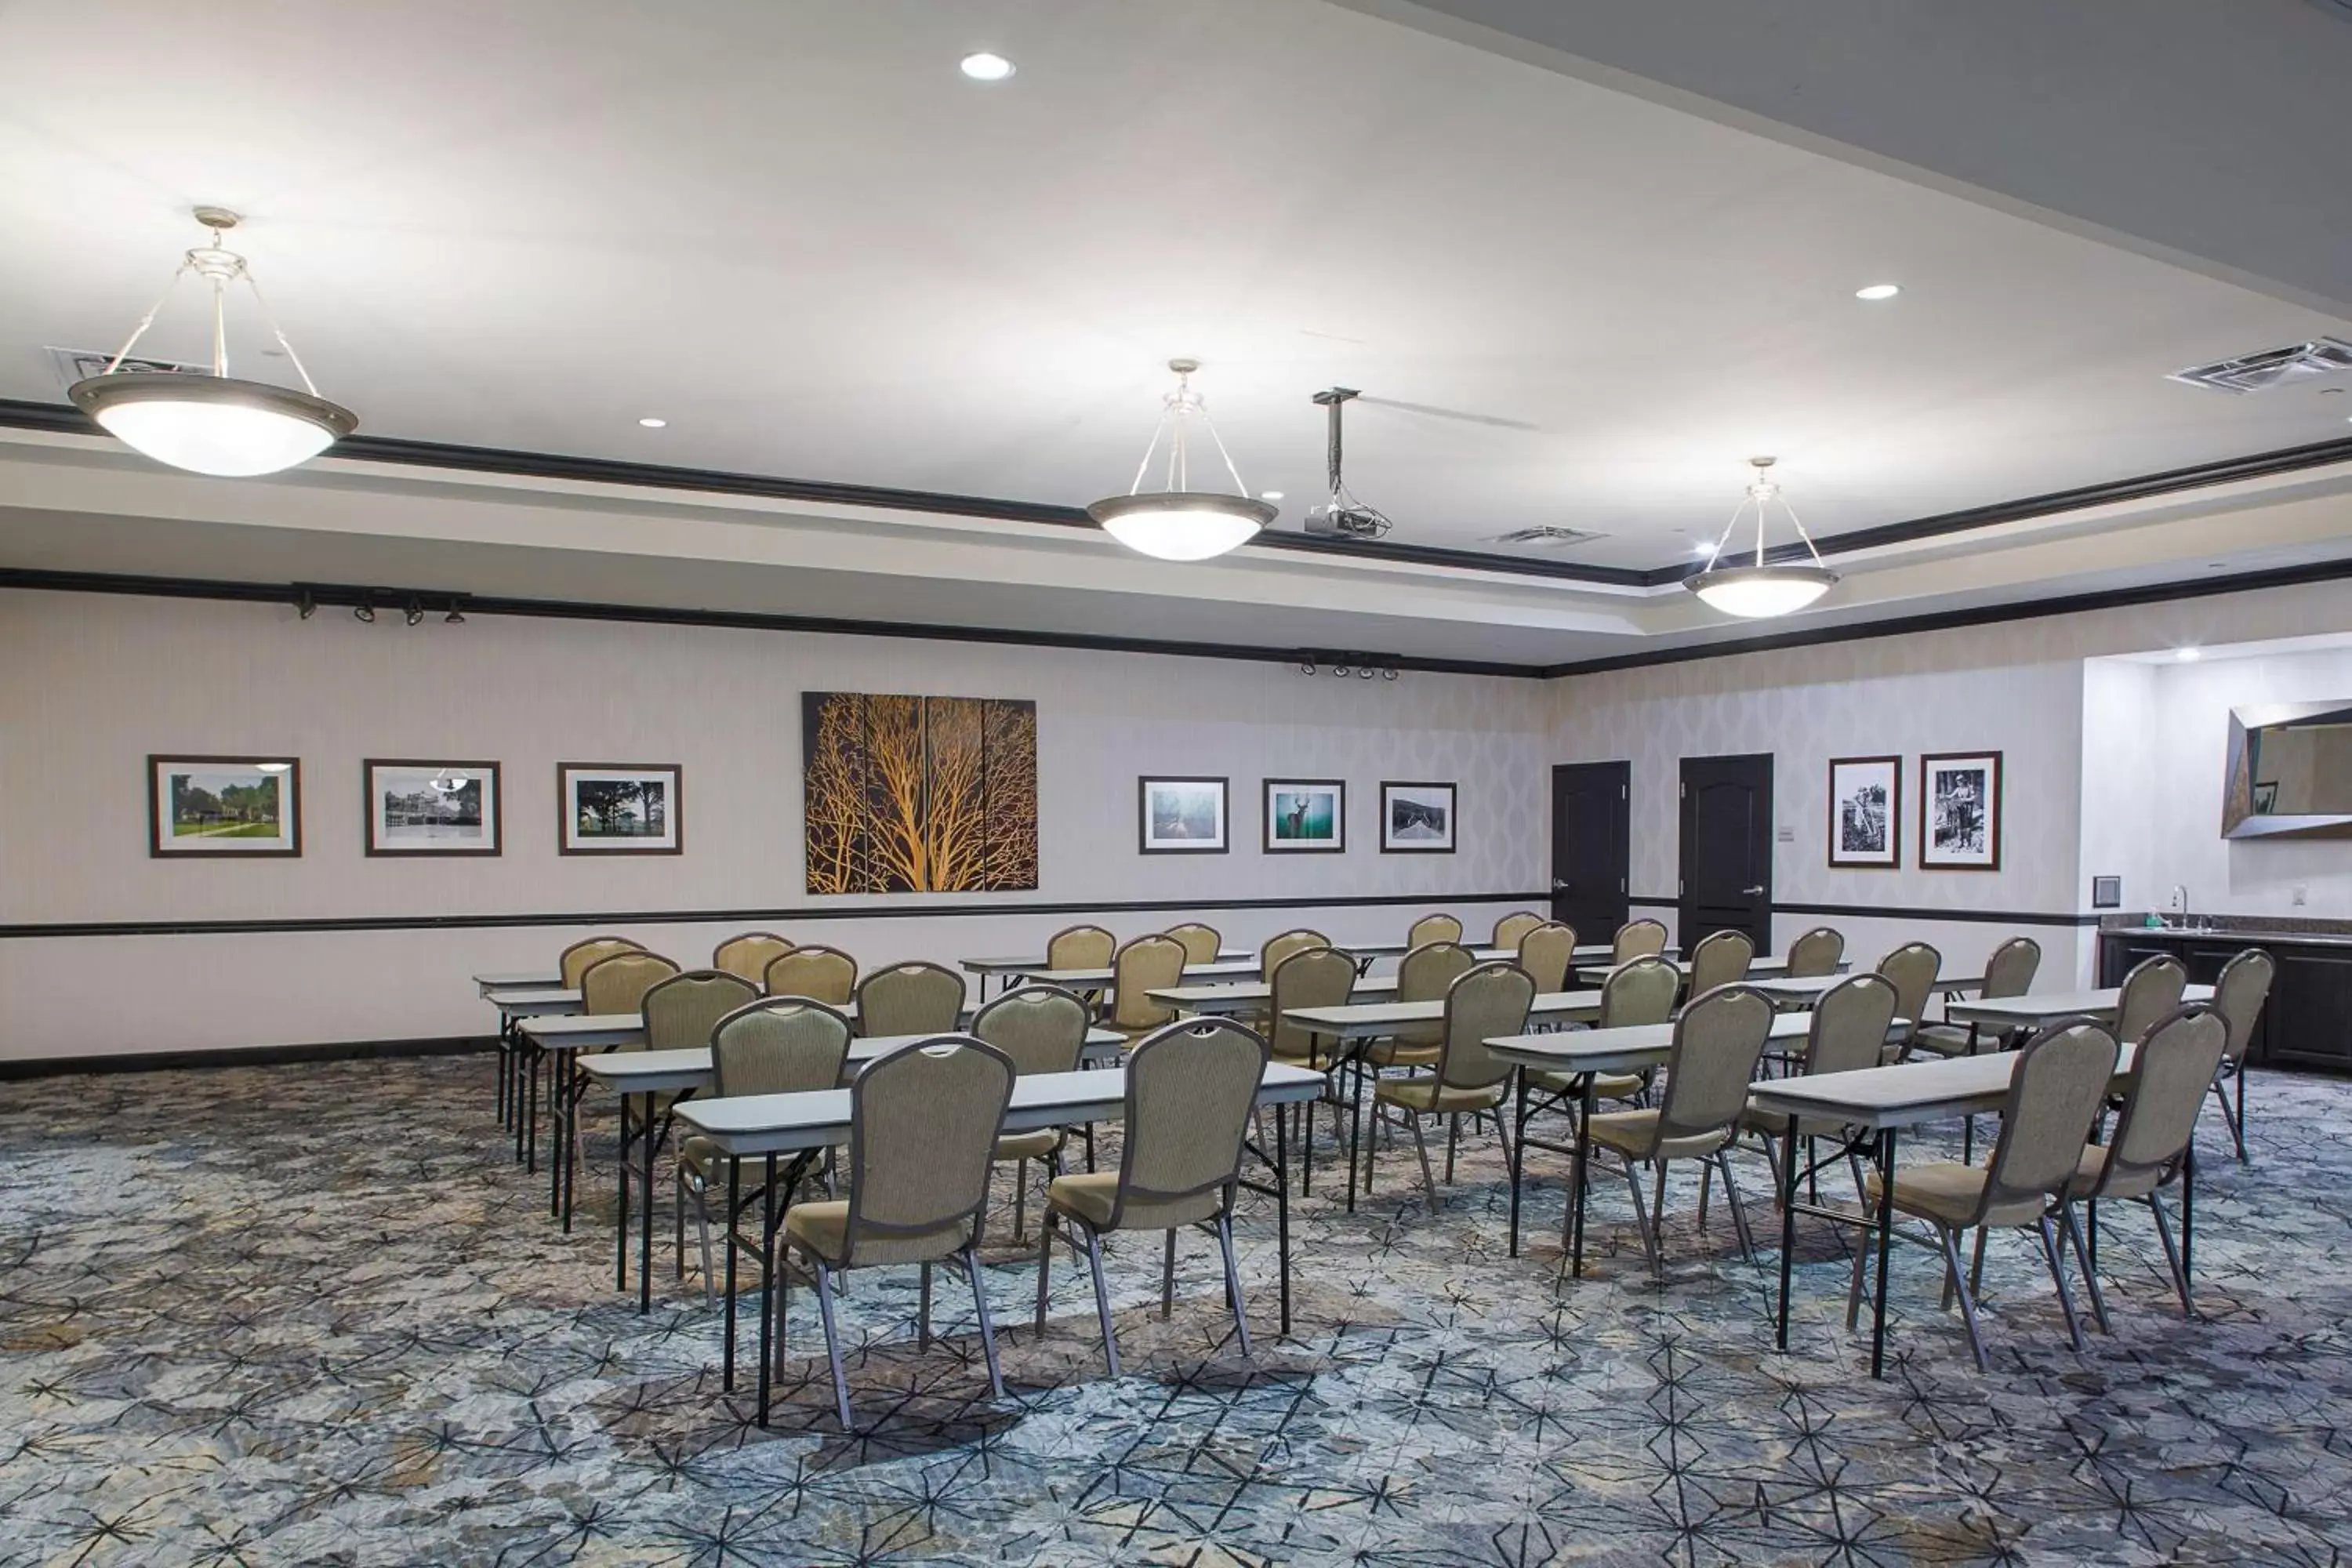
(2188, 1216)
(734, 1197)
(1353, 1064)
(531, 1116)
(559, 1117)
(767, 1286)
(572, 1149)
(645, 1209)
(1886, 1247)
(1282, 1211)
(1518, 1149)
(1583, 1177)
(620, 1204)
(1787, 1224)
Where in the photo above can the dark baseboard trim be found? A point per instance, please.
(1979, 615)
(1907, 913)
(753, 917)
(244, 1056)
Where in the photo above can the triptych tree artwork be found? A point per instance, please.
(919, 794)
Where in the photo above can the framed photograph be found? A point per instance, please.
(1306, 816)
(611, 809)
(2107, 892)
(1866, 811)
(1960, 811)
(224, 807)
(431, 808)
(1181, 817)
(1416, 818)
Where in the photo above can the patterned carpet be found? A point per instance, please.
(315, 1315)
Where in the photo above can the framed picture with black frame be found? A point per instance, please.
(420, 807)
(1960, 811)
(1178, 815)
(1866, 813)
(1306, 816)
(224, 808)
(1416, 818)
(619, 808)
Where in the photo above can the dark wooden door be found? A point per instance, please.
(1592, 804)
(1727, 848)
(2311, 1009)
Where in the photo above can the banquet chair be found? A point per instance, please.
(824, 974)
(1512, 928)
(1483, 1004)
(681, 1011)
(1547, 952)
(913, 998)
(618, 984)
(1638, 938)
(1277, 948)
(1080, 947)
(2150, 994)
(1191, 1087)
(1040, 1028)
(2007, 973)
(1911, 969)
(923, 1125)
(1720, 959)
(2239, 992)
(1424, 974)
(1316, 977)
(1148, 963)
(750, 955)
(1816, 954)
(576, 959)
(1429, 928)
(1639, 990)
(1202, 943)
(1848, 1031)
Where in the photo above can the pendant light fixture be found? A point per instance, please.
(1758, 591)
(214, 424)
(1178, 523)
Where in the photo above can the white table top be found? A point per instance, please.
(1082, 978)
(2038, 1008)
(783, 1123)
(521, 980)
(521, 1001)
(1759, 968)
(1812, 987)
(1037, 963)
(1627, 1049)
(1360, 1020)
(1248, 996)
(658, 1072)
(1902, 1095)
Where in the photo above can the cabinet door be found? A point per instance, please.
(2310, 1010)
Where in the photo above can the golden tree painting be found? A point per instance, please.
(919, 794)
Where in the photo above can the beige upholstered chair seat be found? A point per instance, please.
(1429, 1094)
(823, 1229)
(2136, 1184)
(1951, 1040)
(1947, 1192)
(1635, 1134)
(1092, 1195)
(1774, 1125)
(1037, 1145)
(1606, 1086)
(1088, 1194)
(1404, 1053)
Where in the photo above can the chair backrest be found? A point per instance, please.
(1190, 1090)
(1720, 959)
(1638, 938)
(681, 1011)
(1547, 952)
(2010, 970)
(1318, 977)
(1911, 969)
(1147, 963)
(1639, 990)
(1201, 943)
(1816, 953)
(581, 954)
(618, 984)
(1489, 1002)
(1849, 1025)
(1425, 974)
(1433, 927)
(2239, 992)
(2060, 1082)
(778, 1044)
(750, 955)
(917, 997)
(1718, 1040)
(1512, 928)
(1277, 948)
(1080, 947)
(1040, 1028)
(923, 1137)
(2151, 993)
(824, 974)
(2170, 1076)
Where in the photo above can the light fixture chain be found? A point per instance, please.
(279, 333)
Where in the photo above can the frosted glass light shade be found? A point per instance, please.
(1181, 525)
(1759, 593)
(212, 424)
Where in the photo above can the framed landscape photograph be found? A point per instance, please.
(612, 808)
(1960, 811)
(1416, 818)
(431, 808)
(1182, 816)
(1306, 816)
(1866, 811)
(224, 806)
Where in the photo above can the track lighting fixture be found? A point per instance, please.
(305, 606)
(364, 610)
(414, 612)
(456, 617)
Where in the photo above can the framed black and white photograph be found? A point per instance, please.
(612, 808)
(417, 807)
(1181, 817)
(1306, 816)
(1866, 812)
(1960, 811)
(224, 807)
(1416, 818)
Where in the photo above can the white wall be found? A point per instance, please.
(90, 684)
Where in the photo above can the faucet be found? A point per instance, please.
(2180, 904)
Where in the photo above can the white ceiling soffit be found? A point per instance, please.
(799, 236)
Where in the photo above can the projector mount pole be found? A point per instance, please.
(1333, 400)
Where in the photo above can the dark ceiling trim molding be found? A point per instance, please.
(390, 596)
(1977, 615)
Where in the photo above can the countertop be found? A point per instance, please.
(2250, 936)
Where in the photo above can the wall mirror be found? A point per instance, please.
(2290, 771)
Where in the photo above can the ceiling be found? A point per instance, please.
(1571, 296)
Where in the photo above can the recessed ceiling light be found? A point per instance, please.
(1269, 495)
(986, 67)
(1878, 291)
(2185, 655)
(650, 423)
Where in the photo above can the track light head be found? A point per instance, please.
(414, 612)
(456, 617)
(304, 606)
(1390, 673)
(1366, 672)
(364, 610)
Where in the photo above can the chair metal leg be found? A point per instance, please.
(832, 1343)
(1045, 1262)
(1168, 1277)
(1853, 1291)
(987, 1325)
(1421, 1147)
(1705, 1182)
(923, 1311)
(1102, 1297)
(2058, 1275)
(1976, 1263)
(1020, 1201)
(1503, 1134)
(2090, 1271)
(2234, 1120)
(1641, 1220)
(1453, 1142)
(1739, 1212)
(2172, 1257)
(702, 1225)
(1955, 1285)
(1233, 1281)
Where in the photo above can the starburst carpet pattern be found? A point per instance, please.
(314, 1314)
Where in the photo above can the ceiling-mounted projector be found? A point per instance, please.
(1342, 516)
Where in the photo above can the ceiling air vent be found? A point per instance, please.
(80, 364)
(2272, 367)
(1546, 537)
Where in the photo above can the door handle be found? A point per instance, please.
(1558, 886)
(1753, 892)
